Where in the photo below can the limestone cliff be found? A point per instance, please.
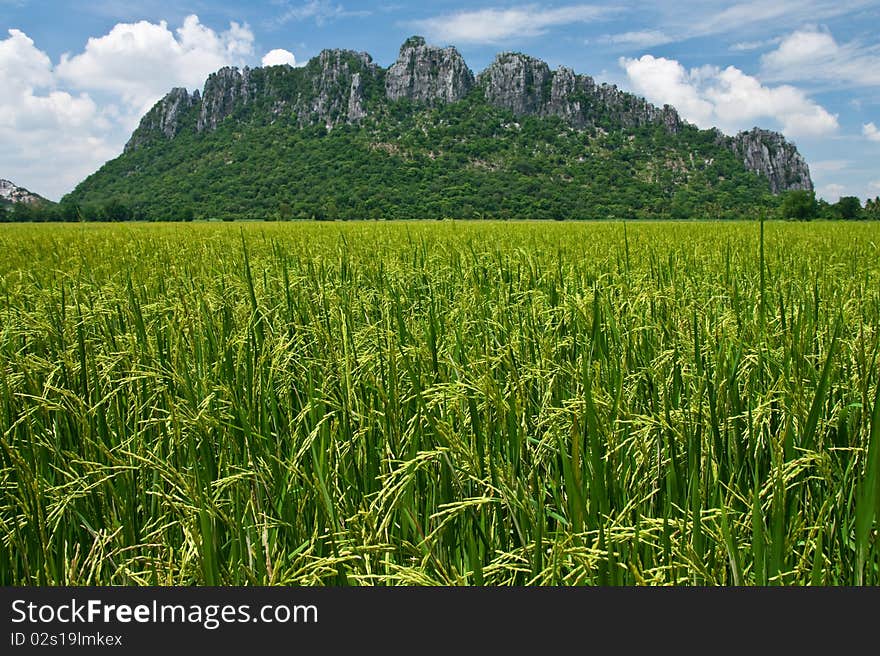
(527, 86)
(428, 74)
(771, 155)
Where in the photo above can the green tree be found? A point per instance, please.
(70, 211)
(22, 212)
(285, 212)
(114, 210)
(799, 205)
(848, 208)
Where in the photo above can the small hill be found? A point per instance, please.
(11, 194)
(344, 138)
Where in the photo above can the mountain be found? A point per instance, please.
(343, 137)
(10, 194)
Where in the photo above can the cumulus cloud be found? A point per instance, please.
(59, 123)
(140, 62)
(726, 98)
(800, 48)
(494, 25)
(279, 57)
(51, 138)
(871, 132)
(813, 54)
(22, 65)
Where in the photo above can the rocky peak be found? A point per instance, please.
(165, 117)
(335, 58)
(338, 81)
(525, 85)
(517, 82)
(563, 101)
(224, 90)
(428, 74)
(771, 155)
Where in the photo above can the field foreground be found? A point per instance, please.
(439, 403)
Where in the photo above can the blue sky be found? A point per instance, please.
(78, 76)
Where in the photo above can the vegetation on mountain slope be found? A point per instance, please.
(462, 160)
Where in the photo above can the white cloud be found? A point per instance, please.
(871, 132)
(494, 25)
(321, 11)
(823, 167)
(704, 19)
(831, 192)
(874, 185)
(800, 48)
(60, 123)
(140, 62)
(279, 57)
(726, 98)
(639, 39)
(51, 138)
(752, 22)
(22, 65)
(744, 14)
(665, 81)
(813, 54)
(748, 46)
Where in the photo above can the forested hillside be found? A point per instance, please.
(343, 138)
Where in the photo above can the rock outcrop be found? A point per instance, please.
(526, 86)
(166, 117)
(331, 89)
(771, 155)
(428, 74)
(335, 88)
(517, 82)
(225, 90)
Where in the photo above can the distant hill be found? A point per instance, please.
(345, 138)
(11, 193)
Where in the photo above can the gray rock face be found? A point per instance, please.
(356, 109)
(517, 82)
(428, 74)
(330, 90)
(526, 86)
(165, 117)
(631, 111)
(336, 88)
(769, 154)
(224, 91)
(564, 101)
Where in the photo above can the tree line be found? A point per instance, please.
(804, 206)
(794, 206)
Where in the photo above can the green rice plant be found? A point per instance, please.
(440, 403)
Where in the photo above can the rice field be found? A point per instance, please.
(440, 403)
